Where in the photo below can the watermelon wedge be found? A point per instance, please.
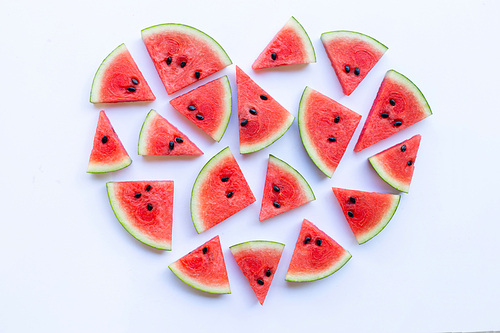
(144, 208)
(208, 106)
(262, 119)
(258, 261)
(326, 128)
(159, 137)
(352, 55)
(220, 190)
(366, 212)
(398, 105)
(182, 54)
(290, 46)
(118, 79)
(108, 153)
(316, 255)
(204, 268)
(396, 164)
(284, 189)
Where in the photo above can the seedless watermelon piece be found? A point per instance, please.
(398, 105)
(352, 55)
(366, 212)
(159, 137)
(204, 268)
(118, 79)
(284, 189)
(220, 190)
(326, 128)
(108, 153)
(258, 261)
(208, 106)
(290, 46)
(182, 54)
(316, 255)
(144, 208)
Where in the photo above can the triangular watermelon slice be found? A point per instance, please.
(220, 190)
(159, 137)
(118, 79)
(108, 153)
(208, 106)
(316, 255)
(204, 268)
(258, 261)
(182, 54)
(398, 105)
(144, 208)
(290, 46)
(262, 120)
(352, 55)
(326, 128)
(284, 189)
(366, 212)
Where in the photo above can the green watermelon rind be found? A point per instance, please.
(227, 114)
(101, 168)
(408, 84)
(97, 82)
(256, 244)
(306, 40)
(246, 149)
(328, 36)
(323, 274)
(382, 223)
(143, 135)
(379, 168)
(196, 284)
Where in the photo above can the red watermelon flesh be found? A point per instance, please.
(159, 137)
(108, 153)
(398, 105)
(316, 255)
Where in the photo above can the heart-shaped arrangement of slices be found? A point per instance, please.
(184, 55)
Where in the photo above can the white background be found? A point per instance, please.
(67, 265)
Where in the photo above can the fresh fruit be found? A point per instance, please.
(316, 255)
(326, 127)
(399, 104)
(352, 55)
(118, 79)
(144, 208)
(182, 54)
(284, 189)
(220, 190)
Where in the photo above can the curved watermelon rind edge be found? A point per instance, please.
(143, 134)
(385, 176)
(99, 168)
(301, 178)
(249, 244)
(96, 84)
(195, 284)
(326, 273)
(222, 130)
(386, 219)
(308, 39)
(261, 145)
(364, 36)
(425, 105)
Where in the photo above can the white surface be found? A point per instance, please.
(67, 265)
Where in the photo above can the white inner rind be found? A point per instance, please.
(108, 167)
(176, 269)
(382, 223)
(328, 37)
(227, 109)
(306, 276)
(304, 185)
(258, 245)
(95, 91)
(306, 41)
(144, 135)
(380, 168)
(402, 80)
(245, 149)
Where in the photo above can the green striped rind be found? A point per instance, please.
(307, 277)
(102, 168)
(304, 185)
(380, 169)
(382, 223)
(174, 267)
(256, 245)
(228, 102)
(327, 37)
(245, 149)
(144, 134)
(97, 83)
(402, 80)
(306, 41)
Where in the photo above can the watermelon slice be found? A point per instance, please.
(316, 255)
(118, 79)
(208, 106)
(396, 164)
(258, 261)
(290, 46)
(262, 119)
(204, 268)
(284, 189)
(326, 127)
(352, 55)
(399, 104)
(144, 208)
(366, 212)
(182, 54)
(108, 153)
(220, 190)
(159, 137)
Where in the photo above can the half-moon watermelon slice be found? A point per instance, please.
(208, 106)
(352, 55)
(144, 208)
(262, 119)
(290, 46)
(316, 255)
(398, 105)
(118, 79)
(204, 268)
(182, 54)
(366, 212)
(220, 190)
(159, 137)
(326, 128)
(284, 189)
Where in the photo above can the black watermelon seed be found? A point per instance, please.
(229, 194)
(171, 145)
(273, 56)
(410, 162)
(224, 179)
(337, 119)
(148, 188)
(347, 69)
(268, 272)
(169, 61)
(135, 81)
(183, 63)
(318, 242)
(150, 207)
(384, 115)
(191, 108)
(252, 111)
(392, 101)
(199, 117)
(197, 75)
(137, 195)
(351, 214)
(398, 123)
(205, 250)
(307, 240)
(276, 204)
(244, 122)
(352, 199)
(276, 188)
(332, 139)
(356, 71)
(403, 148)
(131, 89)
(260, 281)
(104, 139)
(179, 140)
(263, 97)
